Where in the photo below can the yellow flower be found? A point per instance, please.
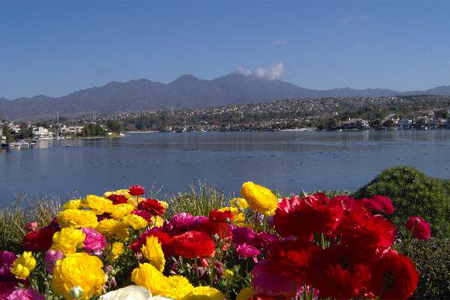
(116, 249)
(152, 279)
(78, 269)
(163, 204)
(245, 293)
(260, 198)
(98, 204)
(152, 250)
(135, 221)
(239, 203)
(77, 218)
(73, 204)
(157, 221)
(23, 265)
(121, 210)
(113, 228)
(228, 274)
(67, 240)
(204, 293)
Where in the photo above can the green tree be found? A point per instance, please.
(7, 134)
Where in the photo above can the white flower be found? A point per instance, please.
(131, 292)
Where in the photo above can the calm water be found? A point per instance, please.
(287, 161)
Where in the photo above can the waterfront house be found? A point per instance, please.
(42, 133)
(355, 124)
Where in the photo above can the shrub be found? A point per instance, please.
(432, 259)
(413, 194)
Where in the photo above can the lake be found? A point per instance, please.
(169, 162)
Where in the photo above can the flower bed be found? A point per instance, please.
(122, 246)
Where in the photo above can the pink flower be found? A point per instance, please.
(51, 257)
(94, 242)
(25, 294)
(183, 222)
(31, 226)
(246, 250)
(420, 229)
(380, 204)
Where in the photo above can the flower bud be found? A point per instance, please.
(32, 226)
(76, 292)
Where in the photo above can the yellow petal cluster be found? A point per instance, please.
(79, 269)
(228, 274)
(121, 210)
(239, 203)
(152, 279)
(113, 229)
(153, 252)
(23, 265)
(77, 218)
(67, 240)
(204, 293)
(157, 221)
(98, 204)
(163, 204)
(135, 221)
(73, 204)
(245, 294)
(115, 249)
(238, 217)
(260, 198)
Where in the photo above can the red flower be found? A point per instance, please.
(419, 228)
(39, 240)
(117, 199)
(164, 238)
(219, 216)
(144, 214)
(334, 272)
(223, 230)
(136, 190)
(365, 233)
(380, 204)
(193, 244)
(303, 217)
(395, 276)
(292, 257)
(152, 206)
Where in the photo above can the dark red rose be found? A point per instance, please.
(336, 275)
(395, 276)
(420, 229)
(152, 206)
(313, 214)
(117, 199)
(193, 244)
(292, 257)
(379, 204)
(364, 233)
(163, 238)
(219, 216)
(136, 190)
(39, 240)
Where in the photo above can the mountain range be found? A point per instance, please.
(186, 91)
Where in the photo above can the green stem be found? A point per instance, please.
(196, 271)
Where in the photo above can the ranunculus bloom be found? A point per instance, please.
(136, 190)
(152, 251)
(31, 226)
(94, 242)
(163, 238)
(220, 216)
(144, 214)
(24, 265)
(6, 288)
(336, 275)
(77, 218)
(117, 199)
(131, 292)
(243, 235)
(260, 198)
(79, 269)
(193, 244)
(38, 240)
(420, 229)
(263, 240)
(6, 262)
(380, 204)
(398, 272)
(67, 240)
(223, 230)
(25, 294)
(183, 222)
(51, 257)
(152, 206)
(246, 250)
(306, 216)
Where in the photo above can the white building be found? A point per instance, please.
(71, 130)
(42, 133)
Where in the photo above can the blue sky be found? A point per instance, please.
(55, 48)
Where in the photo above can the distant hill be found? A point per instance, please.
(186, 91)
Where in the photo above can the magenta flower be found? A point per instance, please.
(246, 250)
(242, 235)
(380, 204)
(94, 242)
(51, 257)
(183, 222)
(25, 294)
(420, 229)
(6, 288)
(6, 262)
(264, 239)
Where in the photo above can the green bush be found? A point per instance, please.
(413, 194)
(432, 260)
